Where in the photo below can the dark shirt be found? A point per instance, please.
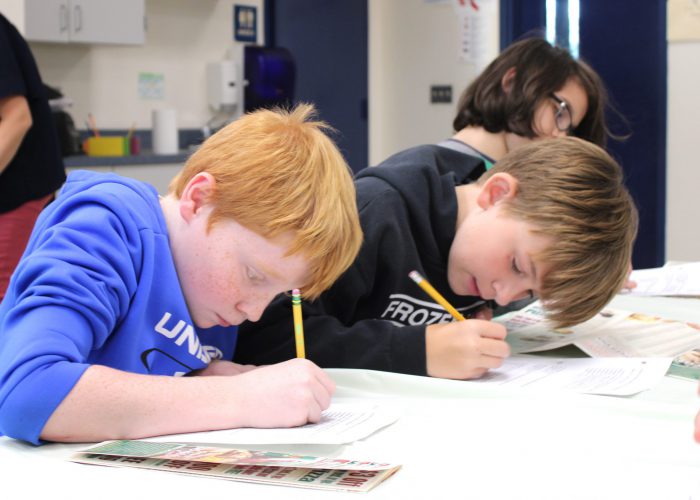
(375, 316)
(37, 169)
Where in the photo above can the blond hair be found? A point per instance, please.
(277, 171)
(573, 192)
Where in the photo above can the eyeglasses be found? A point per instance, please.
(562, 116)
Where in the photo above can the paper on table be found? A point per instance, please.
(610, 333)
(340, 424)
(609, 376)
(641, 335)
(529, 330)
(670, 280)
(254, 466)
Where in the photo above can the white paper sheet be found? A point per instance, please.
(529, 331)
(670, 280)
(340, 424)
(608, 376)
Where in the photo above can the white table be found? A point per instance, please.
(454, 440)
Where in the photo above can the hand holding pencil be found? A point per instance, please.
(464, 349)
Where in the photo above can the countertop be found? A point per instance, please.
(143, 158)
(189, 140)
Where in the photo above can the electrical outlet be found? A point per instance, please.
(440, 94)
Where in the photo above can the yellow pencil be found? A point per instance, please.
(423, 283)
(298, 325)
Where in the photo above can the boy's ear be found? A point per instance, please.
(498, 187)
(508, 80)
(196, 194)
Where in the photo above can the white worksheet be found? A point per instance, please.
(608, 376)
(669, 280)
(340, 424)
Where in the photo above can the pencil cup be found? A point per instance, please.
(107, 146)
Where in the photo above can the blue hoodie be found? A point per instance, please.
(96, 285)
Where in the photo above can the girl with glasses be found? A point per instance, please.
(531, 90)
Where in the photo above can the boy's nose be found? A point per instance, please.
(254, 307)
(253, 310)
(506, 294)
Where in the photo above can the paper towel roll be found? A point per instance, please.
(164, 132)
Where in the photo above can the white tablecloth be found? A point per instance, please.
(454, 440)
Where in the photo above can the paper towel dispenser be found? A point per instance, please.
(222, 93)
(270, 73)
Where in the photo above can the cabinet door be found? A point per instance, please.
(46, 20)
(107, 21)
(159, 175)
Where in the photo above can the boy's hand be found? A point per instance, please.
(287, 394)
(464, 349)
(484, 312)
(629, 284)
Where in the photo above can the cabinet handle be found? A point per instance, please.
(78, 18)
(63, 17)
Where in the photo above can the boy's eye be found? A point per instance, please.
(252, 274)
(515, 267)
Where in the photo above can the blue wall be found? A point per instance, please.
(328, 40)
(625, 41)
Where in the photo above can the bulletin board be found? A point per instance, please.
(683, 20)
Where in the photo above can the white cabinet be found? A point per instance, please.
(83, 21)
(159, 175)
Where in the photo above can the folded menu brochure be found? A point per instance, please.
(611, 333)
(253, 466)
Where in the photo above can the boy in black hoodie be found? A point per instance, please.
(551, 219)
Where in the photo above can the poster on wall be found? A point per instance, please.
(683, 20)
(245, 23)
(478, 27)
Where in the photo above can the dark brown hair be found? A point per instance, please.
(540, 70)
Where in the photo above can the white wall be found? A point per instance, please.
(181, 37)
(414, 44)
(683, 158)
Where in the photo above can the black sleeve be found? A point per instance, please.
(11, 79)
(373, 344)
(341, 328)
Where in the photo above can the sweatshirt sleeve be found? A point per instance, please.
(372, 344)
(342, 328)
(69, 291)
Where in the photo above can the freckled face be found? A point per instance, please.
(492, 257)
(230, 274)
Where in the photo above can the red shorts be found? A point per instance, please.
(15, 228)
